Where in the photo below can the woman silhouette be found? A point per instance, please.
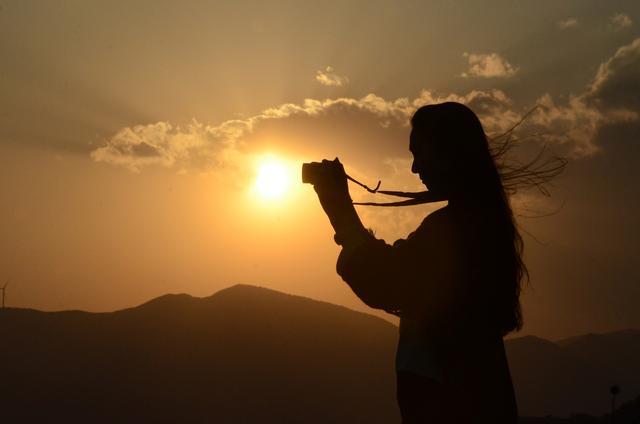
(454, 282)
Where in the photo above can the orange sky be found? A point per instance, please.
(131, 139)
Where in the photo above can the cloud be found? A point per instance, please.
(616, 86)
(490, 65)
(329, 78)
(573, 124)
(567, 23)
(620, 21)
(201, 146)
(166, 145)
(355, 126)
(613, 97)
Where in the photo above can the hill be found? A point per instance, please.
(245, 354)
(249, 354)
(574, 375)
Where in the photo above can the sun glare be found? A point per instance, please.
(273, 179)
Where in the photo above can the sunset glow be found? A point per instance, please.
(147, 150)
(191, 227)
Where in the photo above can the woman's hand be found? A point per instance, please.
(331, 185)
(333, 191)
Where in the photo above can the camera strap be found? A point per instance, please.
(414, 198)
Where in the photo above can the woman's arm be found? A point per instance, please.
(419, 275)
(366, 267)
(409, 275)
(333, 192)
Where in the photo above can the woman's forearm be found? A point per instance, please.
(348, 227)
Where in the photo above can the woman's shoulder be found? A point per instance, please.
(439, 220)
(446, 228)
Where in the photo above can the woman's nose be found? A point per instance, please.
(414, 167)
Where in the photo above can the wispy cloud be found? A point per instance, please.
(568, 23)
(620, 21)
(489, 65)
(616, 86)
(573, 124)
(329, 78)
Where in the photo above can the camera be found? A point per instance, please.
(316, 172)
(311, 172)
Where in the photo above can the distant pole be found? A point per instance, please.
(614, 390)
(3, 288)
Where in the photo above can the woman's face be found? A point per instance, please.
(429, 162)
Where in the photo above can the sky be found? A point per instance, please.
(132, 136)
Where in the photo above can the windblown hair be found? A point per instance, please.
(482, 171)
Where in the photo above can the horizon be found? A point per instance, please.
(511, 336)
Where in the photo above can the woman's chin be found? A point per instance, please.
(434, 190)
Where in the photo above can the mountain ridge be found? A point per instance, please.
(248, 339)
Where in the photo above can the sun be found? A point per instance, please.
(273, 179)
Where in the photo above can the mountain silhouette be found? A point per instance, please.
(574, 375)
(243, 355)
(249, 354)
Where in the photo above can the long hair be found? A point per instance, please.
(479, 170)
